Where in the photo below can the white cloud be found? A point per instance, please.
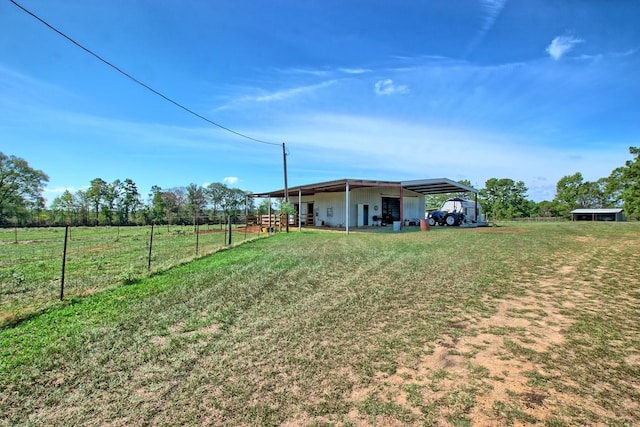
(326, 71)
(21, 91)
(387, 87)
(492, 9)
(561, 45)
(397, 149)
(286, 93)
(312, 72)
(354, 70)
(230, 180)
(618, 54)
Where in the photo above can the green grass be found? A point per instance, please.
(319, 328)
(98, 258)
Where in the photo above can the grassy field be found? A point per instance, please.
(523, 324)
(98, 258)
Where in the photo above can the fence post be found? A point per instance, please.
(16, 240)
(197, 237)
(150, 247)
(246, 226)
(64, 261)
(229, 230)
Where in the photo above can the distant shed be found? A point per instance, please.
(597, 215)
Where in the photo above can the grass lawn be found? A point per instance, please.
(523, 324)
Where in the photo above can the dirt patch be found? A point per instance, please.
(159, 341)
(492, 370)
(567, 269)
(478, 364)
(633, 360)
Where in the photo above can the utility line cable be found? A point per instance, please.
(144, 85)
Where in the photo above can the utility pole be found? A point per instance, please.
(286, 188)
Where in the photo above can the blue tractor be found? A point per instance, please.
(454, 217)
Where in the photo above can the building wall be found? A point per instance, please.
(330, 207)
(414, 205)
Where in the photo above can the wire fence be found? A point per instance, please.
(541, 219)
(41, 265)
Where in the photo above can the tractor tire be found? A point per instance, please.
(432, 222)
(451, 220)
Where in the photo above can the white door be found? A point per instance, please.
(363, 215)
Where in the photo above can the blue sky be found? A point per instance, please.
(528, 90)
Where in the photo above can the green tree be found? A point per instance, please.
(158, 211)
(568, 193)
(110, 197)
(129, 201)
(95, 193)
(21, 187)
(215, 193)
(196, 201)
(504, 199)
(572, 192)
(84, 206)
(630, 177)
(65, 208)
(233, 200)
(545, 209)
(288, 210)
(615, 187)
(175, 201)
(594, 194)
(265, 207)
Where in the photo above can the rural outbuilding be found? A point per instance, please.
(370, 203)
(597, 215)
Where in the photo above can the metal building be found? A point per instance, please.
(597, 215)
(346, 203)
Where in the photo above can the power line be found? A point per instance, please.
(135, 80)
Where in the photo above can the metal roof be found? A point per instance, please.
(422, 186)
(437, 186)
(336, 186)
(597, 211)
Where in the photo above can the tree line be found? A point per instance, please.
(120, 202)
(112, 203)
(504, 198)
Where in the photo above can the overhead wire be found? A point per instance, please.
(137, 81)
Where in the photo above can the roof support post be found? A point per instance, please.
(346, 190)
(246, 215)
(269, 213)
(475, 199)
(286, 188)
(401, 207)
(299, 209)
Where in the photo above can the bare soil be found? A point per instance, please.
(491, 371)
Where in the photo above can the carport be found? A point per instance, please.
(441, 186)
(615, 214)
